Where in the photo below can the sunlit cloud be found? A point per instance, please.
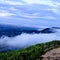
(5, 13)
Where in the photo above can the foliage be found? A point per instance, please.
(31, 53)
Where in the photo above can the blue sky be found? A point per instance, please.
(37, 13)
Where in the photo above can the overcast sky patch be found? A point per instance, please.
(34, 10)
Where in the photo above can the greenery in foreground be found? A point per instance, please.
(31, 53)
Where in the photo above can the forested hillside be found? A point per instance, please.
(31, 53)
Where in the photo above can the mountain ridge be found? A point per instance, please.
(12, 31)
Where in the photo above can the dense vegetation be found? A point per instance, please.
(12, 30)
(31, 53)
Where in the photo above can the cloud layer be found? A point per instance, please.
(25, 40)
(32, 12)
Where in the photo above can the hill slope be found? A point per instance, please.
(31, 53)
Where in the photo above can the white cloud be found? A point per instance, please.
(11, 2)
(14, 3)
(23, 2)
(32, 16)
(5, 13)
(54, 5)
(35, 15)
(54, 10)
(13, 9)
(43, 2)
(25, 40)
(30, 9)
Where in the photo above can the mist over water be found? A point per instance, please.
(25, 40)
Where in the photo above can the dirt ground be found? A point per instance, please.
(53, 54)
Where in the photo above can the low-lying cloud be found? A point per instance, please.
(25, 40)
